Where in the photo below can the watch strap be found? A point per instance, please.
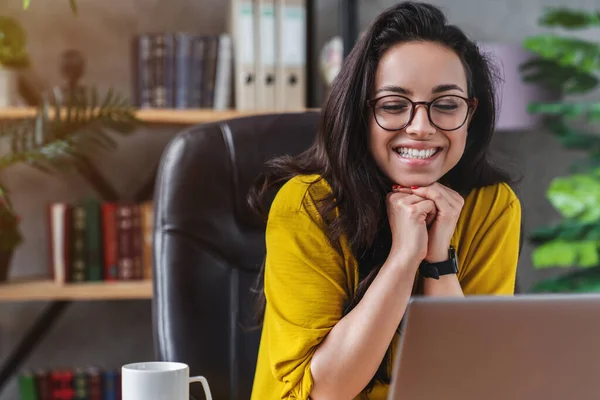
(437, 269)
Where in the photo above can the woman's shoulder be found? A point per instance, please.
(492, 200)
(301, 194)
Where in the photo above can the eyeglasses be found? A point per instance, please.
(448, 113)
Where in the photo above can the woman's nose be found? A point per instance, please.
(420, 124)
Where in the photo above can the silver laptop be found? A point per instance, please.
(528, 347)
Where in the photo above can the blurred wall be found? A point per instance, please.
(112, 333)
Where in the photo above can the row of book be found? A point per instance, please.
(182, 70)
(259, 64)
(100, 241)
(70, 384)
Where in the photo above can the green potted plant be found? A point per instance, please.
(569, 65)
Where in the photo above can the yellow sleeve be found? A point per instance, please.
(490, 262)
(305, 287)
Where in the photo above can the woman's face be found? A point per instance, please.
(421, 152)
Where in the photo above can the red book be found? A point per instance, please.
(109, 235)
(62, 385)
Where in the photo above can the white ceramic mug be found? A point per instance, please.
(159, 380)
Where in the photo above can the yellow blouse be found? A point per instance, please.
(307, 282)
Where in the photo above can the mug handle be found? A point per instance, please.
(205, 386)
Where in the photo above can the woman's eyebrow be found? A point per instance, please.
(395, 89)
(446, 87)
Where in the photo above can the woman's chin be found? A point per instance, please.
(422, 182)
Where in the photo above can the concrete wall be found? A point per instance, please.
(112, 333)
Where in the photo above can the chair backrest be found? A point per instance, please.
(208, 246)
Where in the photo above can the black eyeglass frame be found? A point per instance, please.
(471, 103)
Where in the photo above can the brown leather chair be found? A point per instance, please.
(209, 247)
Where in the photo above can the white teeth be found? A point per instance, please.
(407, 152)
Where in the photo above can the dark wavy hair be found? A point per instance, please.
(341, 156)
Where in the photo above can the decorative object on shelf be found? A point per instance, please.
(516, 93)
(72, 67)
(569, 65)
(13, 57)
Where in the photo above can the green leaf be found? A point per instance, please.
(26, 4)
(568, 230)
(562, 253)
(557, 78)
(571, 230)
(554, 254)
(544, 234)
(577, 281)
(576, 196)
(566, 51)
(587, 110)
(564, 17)
(75, 128)
(575, 141)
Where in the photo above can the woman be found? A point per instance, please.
(397, 179)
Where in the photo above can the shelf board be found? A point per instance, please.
(157, 116)
(46, 290)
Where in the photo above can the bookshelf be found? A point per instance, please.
(47, 290)
(160, 116)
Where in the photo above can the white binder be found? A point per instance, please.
(265, 65)
(242, 21)
(291, 55)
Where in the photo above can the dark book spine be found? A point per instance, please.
(78, 267)
(142, 71)
(197, 72)
(94, 384)
(210, 71)
(125, 238)
(111, 387)
(80, 385)
(43, 384)
(138, 272)
(170, 70)
(183, 48)
(109, 236)
(93, 240)
(163, 50)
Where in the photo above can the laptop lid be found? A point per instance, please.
(499, 348)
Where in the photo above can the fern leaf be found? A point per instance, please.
(77, 126)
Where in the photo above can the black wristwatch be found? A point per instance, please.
(435, 270)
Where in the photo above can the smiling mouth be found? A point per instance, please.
(407, 152)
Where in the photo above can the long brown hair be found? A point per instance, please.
(340, 153)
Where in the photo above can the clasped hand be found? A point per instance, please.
(423, 220)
